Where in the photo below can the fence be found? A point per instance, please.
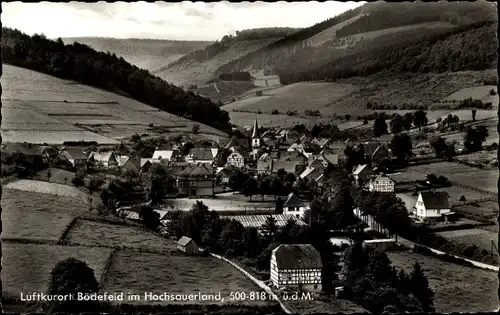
(467, 187)
(259, 283)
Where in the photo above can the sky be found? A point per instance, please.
(162, 20)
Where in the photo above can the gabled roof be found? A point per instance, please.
(164, 154)
(122, 160)
(144, 161)
(435, 200)
(197, 170)
(101, 156)
(294, 201)
(255, 130)
(241, 152)
(203, 154)
(359, 169)
(297, 256)
(76, 153)
(380, 176)
(184, 241)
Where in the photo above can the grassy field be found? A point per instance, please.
(479, 237)
(96, 233)
(222, 202)
(26, 267)
(39, 108)
(476, 93)
(266, 120)
(31, 215)
(483, 157)
(176, 274)
(47, 188)
(452, 285)
(57, 176)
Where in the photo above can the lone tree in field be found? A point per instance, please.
(474, 138)
(71, 276)
(407, 121)
(196, 128)
(420, 119)
(250, 187)
(474, 111)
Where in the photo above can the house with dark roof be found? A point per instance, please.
(362, 174)
(375, 152)
(48, 153)
(296, 266)
(432, 204)
(76, 156)
(322, 142)
(187, 245)
(196, 180)
(294, 206)
(129, 163)
(200, 155)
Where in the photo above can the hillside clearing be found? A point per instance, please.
(47, 188)
(479, 237)
(26, 267)
(95, 233)
(452, 285)
(329, 34)
(177, 274)
(39, 108)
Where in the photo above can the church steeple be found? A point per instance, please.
(255, 135)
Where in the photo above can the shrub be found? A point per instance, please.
(258, 93)
(492, 92)
(275, 112)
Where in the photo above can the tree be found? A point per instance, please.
(269, 228)
(420, 119)
(290, 178)
(401, 147)
(474, 138)
(236, 179)
(407, 121)
(438, 144)
(78, 180)
(250, 187)
(379, 127)
(150, 218)
(474, 111)
(251, 239)
(275, 187)
(196, 128)
(421, 289)
(72, 276)
(396, 124)
(264, 186)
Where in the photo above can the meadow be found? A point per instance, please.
(43, 187)
(479, 237)
(176, 274)
(89, 233)
(26, 267)
(44, 109)
(452, 285)
(222, 202)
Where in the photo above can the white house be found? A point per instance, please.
(237, 158)
(164, 152)
(432, 204)
(296, 266)
(295, 206)
(104, 159)
(381, 183)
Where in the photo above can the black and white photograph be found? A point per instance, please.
(249, 157)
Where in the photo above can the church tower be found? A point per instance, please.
(255, 135)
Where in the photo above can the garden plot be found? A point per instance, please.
(177, 274)
(104, 234)
(26, 268)
(452, 285)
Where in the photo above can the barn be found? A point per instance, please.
(187, 246)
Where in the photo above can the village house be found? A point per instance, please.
(432, 204)
(375, 152)
(265, 166)
(312, 173)
(296, 266)
(48, 154)
(294, 206)
(128, 163)
(238, 157)
(321, 142)
(196, 181)
(223, 175)
(381, 183)
(76, 156)
(145, 165)
(362, 174)
(103, 159)
(187, 246)
(228, 143)
(164, 152)
(200, 155)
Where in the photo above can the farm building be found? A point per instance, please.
(362, 173)
(380, 244)
(238, 157)
(432, 204)
(103, 159)
(296, 266)
(258, 220)
(187, 246)
(381, 183)
(76, 156)
(294, 206)
(48, 153)
(196, 181)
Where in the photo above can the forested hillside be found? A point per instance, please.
(420, 19)
(107, 71)
(470, 47)
(147, 54)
